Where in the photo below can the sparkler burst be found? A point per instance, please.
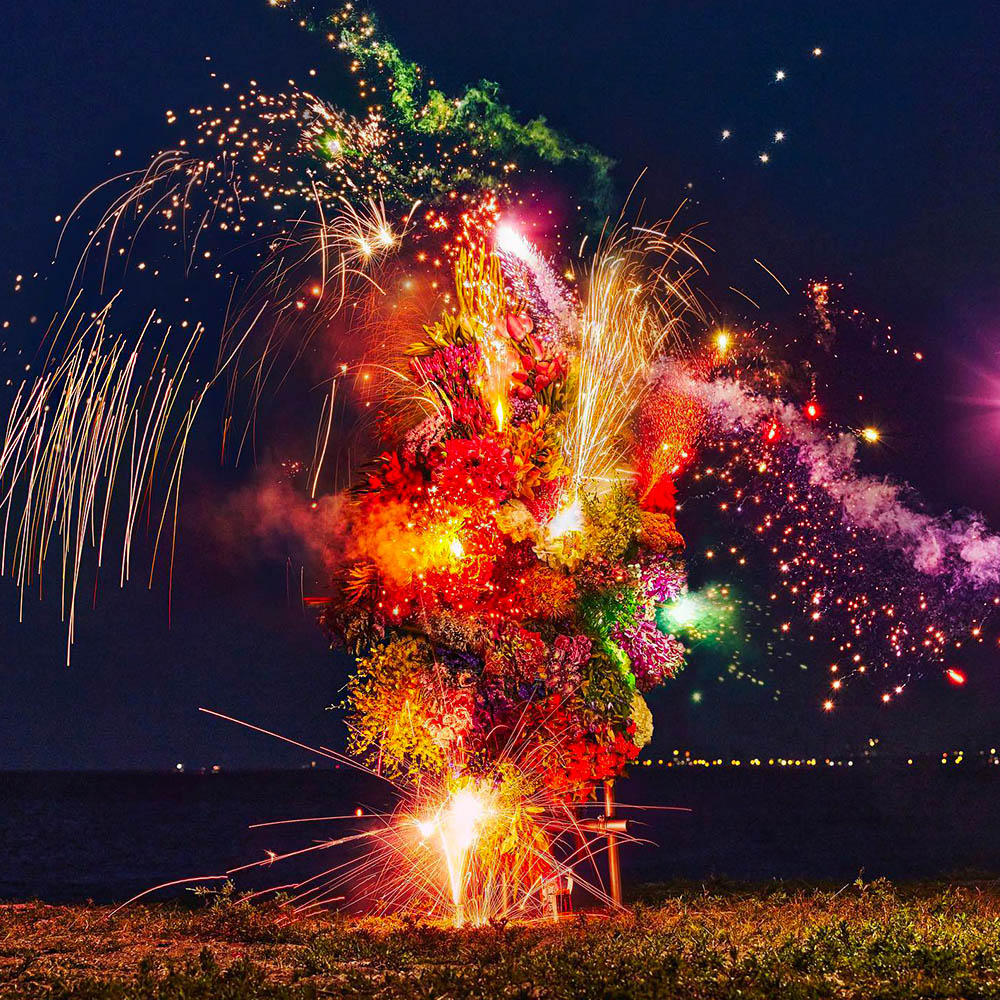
(509, 573)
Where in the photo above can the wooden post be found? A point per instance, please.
(614, 870)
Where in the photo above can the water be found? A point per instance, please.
(69, 837)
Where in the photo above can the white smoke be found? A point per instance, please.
(958, 546)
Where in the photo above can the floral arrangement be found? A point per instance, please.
(500, 607)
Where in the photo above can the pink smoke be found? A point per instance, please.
(960, 546)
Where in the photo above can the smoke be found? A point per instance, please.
(270, 519)
(960, 547)
(420, 109)
(550, 292)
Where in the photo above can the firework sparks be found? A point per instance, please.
(632, 312)
(92, 427)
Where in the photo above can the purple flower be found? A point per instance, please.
(523, 411)
(661, 581)
(569, 654)
(655, 656)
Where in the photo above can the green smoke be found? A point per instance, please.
(709, 614)
(478, 115)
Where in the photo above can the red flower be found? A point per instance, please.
(470, 469)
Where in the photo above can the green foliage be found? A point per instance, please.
(199, 980)
(608, 687)
(447, 331)
(613, 522)
(601, 610)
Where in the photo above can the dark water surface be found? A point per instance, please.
(74, 836)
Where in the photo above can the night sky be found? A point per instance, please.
(888, 181)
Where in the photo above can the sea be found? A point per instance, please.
(70, 837)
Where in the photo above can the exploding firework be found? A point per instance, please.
(507, 567)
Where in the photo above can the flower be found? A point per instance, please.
(642, 719)
(654, 656)
(469, 469)
(491, 633)
(661, 581)
(516, 521)
(659, 532)
(569, 654)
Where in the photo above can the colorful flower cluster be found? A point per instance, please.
(496, 610)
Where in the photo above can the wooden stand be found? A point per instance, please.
(614, 869)
(609, 826)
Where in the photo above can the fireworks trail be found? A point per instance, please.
(539, 284)
(889, 586)
(96, 426)
(961, 549)
(633, 311)
(469, 850)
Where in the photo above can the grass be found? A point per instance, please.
(867, 941)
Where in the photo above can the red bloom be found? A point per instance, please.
(471, 469)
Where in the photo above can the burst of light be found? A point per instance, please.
(812, 410)
(779, 76)
(456, 548)
(463, 818)
(682, 612)
(509, 241)
(459, 824)
(568, 518)
(956, 677)
(828, 706)
(871, 434)
(722, 341)
(817, 51)
(726, 133)
(779, 136)
(707, 614)
(764, 158)
(498, 412)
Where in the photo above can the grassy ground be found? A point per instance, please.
(866, 941)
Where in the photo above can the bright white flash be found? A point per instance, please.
(508, 240)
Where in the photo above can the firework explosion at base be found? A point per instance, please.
(506, 567)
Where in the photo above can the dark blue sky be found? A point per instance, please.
(888, 180)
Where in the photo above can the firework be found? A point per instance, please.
(467, 849)
(94, 427)
(506, 567)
